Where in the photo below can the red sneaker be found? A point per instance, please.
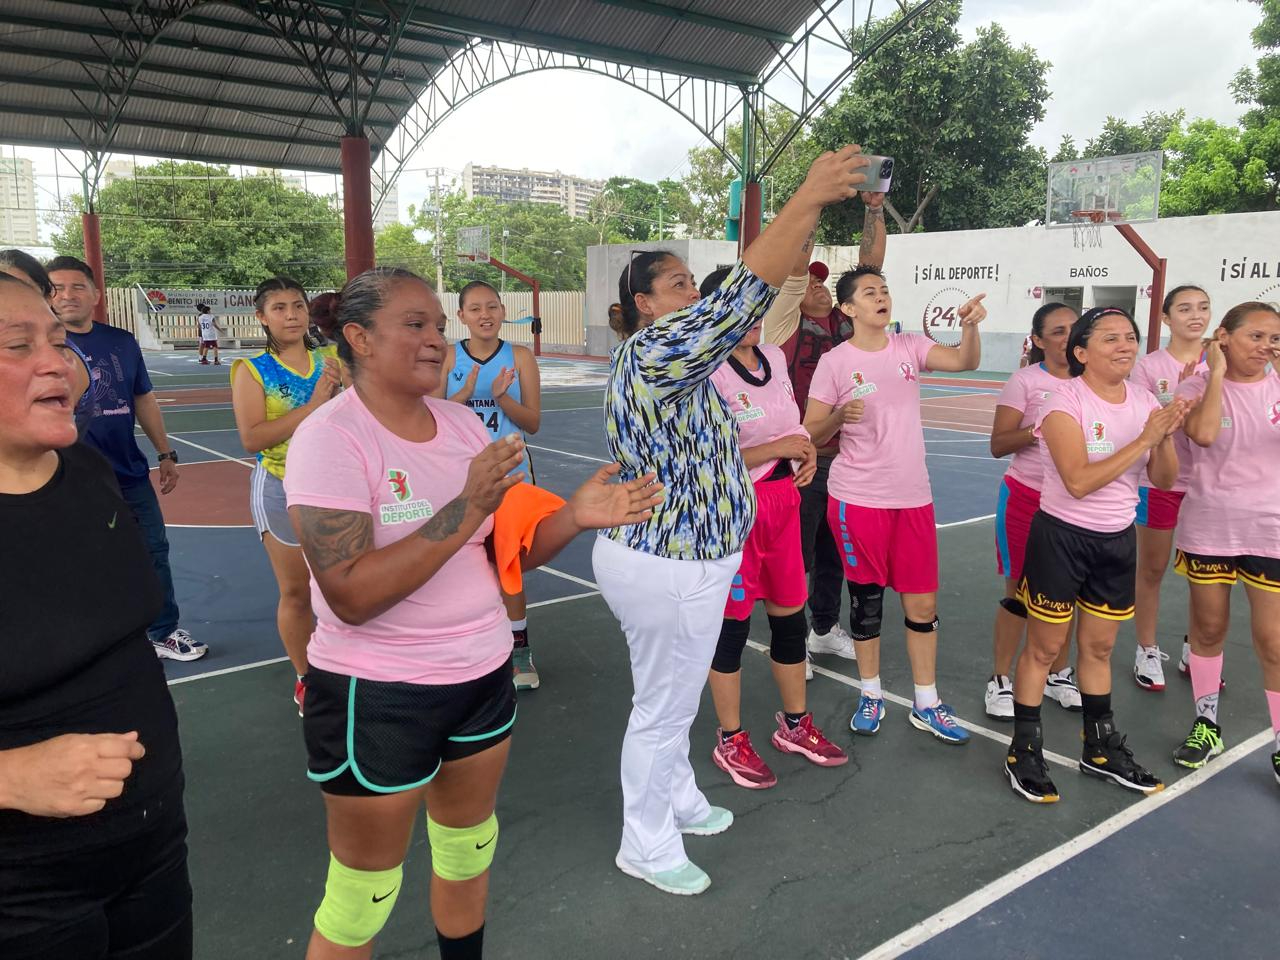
(739, 760)
(808, 741)
(299, 692)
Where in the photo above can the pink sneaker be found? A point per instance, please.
(739, 760)
(808, 741)
(299, 693)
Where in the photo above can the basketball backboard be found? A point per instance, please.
(1104, 190)
(473, 243)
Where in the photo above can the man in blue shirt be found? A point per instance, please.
(122, 396)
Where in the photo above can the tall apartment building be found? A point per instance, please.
(572, 194)
(19, 218)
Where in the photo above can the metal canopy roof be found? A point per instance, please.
(276, 83)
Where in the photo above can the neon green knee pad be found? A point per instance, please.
(356, 903)
(461, 853)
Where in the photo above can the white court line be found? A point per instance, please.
(159, 373)
(566, 453)
(573, 596)
(247, 464)
(967, 456)
(211, 526)
(964, 523)
(1000, 738)
(973, 427)
(599, 408)
(570, 577)
(965, 908)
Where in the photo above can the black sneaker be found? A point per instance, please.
(1203, 743)
(1107, 757)
(1028, 774)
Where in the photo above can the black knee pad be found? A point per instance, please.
(733, 640)
(925, 626)
(1015, 606)
(866, 606)
(787, 637)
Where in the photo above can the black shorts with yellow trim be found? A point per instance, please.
(1254, 571)
(1068, 566)
(369, 738)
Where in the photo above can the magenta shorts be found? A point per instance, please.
(772, 561)
(891, 547)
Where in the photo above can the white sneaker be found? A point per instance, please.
(1061, 686)
(179, 646)
(808, 665)
(1000, 698)
(833, 641)
(1148, 670)
(1184, 664)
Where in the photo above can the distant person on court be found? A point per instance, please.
(1013, 432)
(499, 381)
(1100, 433)
(1187, 313)
(866, 393)
(271, 394)
(93, 857)
(667, 580)
(122, 397)
(781, 460)
(409, 695)
(805, 324)
(210, 330)
(1229, 530)
(31, 271)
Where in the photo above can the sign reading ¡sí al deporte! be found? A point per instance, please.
(175, 300)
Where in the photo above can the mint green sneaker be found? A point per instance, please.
(524, 673)
(717, 821)
(686, 880)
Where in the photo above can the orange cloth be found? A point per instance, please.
(514, 522)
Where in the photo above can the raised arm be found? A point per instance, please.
(968, 355)
(1204, 421)
(871, 249)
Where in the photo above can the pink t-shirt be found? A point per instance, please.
(1026, 390)
(763, 403)
(451, 629)
(1108, 427)
(881, 460)
(1232, 506)
(1158, 372)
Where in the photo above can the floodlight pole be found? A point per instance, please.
(1159, 267)
(537, 287)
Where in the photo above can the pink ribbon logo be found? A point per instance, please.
(908, 372)
(1275, 414)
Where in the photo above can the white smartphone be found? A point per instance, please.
(879, 173)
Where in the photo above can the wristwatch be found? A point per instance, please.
(171, 455)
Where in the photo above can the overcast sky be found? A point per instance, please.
(1120, 58)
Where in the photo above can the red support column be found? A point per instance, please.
(89, 226)
(1159, 267)
(537, 320)
(752, 210)
(357, 205)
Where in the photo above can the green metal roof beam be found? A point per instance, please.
(93, 59)
(84, 86)
(702, 19)
(487, 30)
(116, 6)
(107, 33)
(200, 130)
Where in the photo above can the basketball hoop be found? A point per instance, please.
(1086, 227)
(473, 244)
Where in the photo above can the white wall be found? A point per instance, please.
(1234, 257)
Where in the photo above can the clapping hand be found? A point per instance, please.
(600, 504)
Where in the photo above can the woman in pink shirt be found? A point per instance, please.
(1187, 314)
(1230, 527)
(1013, 432)
(1100, 432)
(880, 504)
(409, 693)
(781, 458)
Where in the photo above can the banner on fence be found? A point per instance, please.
(177, 300)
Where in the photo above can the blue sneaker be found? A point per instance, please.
(940, 722)
(866, 719)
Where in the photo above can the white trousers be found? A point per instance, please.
(671, 612)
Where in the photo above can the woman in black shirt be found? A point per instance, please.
(93, 860)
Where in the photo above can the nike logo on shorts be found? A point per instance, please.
(481, 846)
(111, 524)
(385, 895)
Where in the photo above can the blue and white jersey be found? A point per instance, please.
(486, 408)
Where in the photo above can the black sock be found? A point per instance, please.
(470, 947)
(1096, 705)
(727, 735)
(1026, 722)
(792, 719)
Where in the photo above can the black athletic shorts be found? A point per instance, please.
(1067, 565)
(1260, 572)
(125, 900)
(368, 737)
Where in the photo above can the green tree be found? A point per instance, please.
(1259, 89)
(1215, 168)
(955, 116)
(646, 207)
(1120, 137)
(396, 245)
(196, 225)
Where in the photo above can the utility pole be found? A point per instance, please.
(439, 230)
(502, 280)
(659, 220)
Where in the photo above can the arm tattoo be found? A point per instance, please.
(445, 523)
(330, 537)
(808, 241)
(871, 224)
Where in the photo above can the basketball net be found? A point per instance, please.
(1086, 227)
